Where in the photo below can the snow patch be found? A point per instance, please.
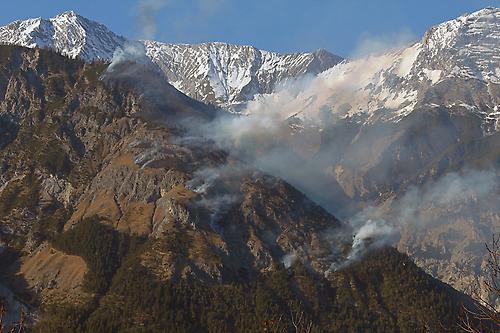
(434, 75)
(408, 58)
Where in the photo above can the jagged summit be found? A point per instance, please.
(219, 73)
(230, 75)
(456, 66)
(68, 33)
(69, 13)
(467, 46)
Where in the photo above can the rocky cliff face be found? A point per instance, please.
(82, 148)
(108, 204)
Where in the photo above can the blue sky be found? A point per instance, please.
(277, 25)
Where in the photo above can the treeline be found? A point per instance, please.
(102, 248)
(384, 293)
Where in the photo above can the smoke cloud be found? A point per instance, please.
(217, 196)
(210, 7)
(368, 235)
(289, 259)
(454, 189)
(129, 52)
(147, 11)
(283, 134)
(375, 227)
(288, 134)
(376, 45)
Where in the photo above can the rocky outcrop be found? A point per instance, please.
(54, 276)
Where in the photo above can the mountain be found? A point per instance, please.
(230, 75)
(383, 133)
(135, 184)
(454, 66)
(68, 34)
(115, 218)
(387, 85)
(218, 73)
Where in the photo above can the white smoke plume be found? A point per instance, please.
(129, 52)
(262, 137)
(375, 227)
(280, 134)
(210, 7)
(454, 189)
(376, 45)
(147, 11)
(215, 195)
(370, 235)
(134, 51)
(289, 259)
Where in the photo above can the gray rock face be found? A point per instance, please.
(55, 189)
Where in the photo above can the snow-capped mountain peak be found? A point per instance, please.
(68, 33)
(230, 75)
(456, 66)
(388, 85)
(223, 74)
(467, 46)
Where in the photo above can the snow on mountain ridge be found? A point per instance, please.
(469, 42)
(391, 85)
(230, 75)
(76, 36)
(223, 74)
(30, 33)
(386, 85)
(68, 33)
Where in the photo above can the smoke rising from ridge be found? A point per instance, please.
(379, 226)
(147, 10)
(216, 197)
(376, 45)
(306, 133)
(284, 133)
(129, 52)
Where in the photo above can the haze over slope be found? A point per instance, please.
(369, 139)
(365, 136)
(113, 217)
